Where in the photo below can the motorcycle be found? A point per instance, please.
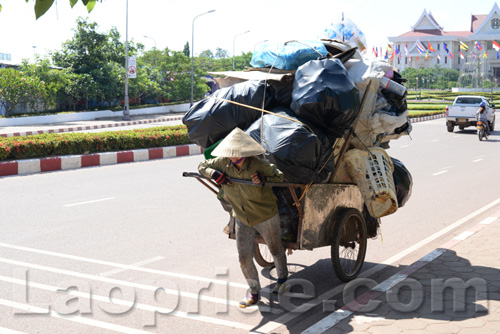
(481, 130)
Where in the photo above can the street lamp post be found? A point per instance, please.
(126, 109)
(258, 44)
(154, 62)
(234, 39)
(192, 54)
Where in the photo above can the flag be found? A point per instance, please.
(427, 55)
(406, 49)
(451, 54)
(417, 57)
(430, 47)
(386, 54)
(446, 48)
(462, 55)
(463, 46)
(439, 57)
(473, 55)
(498, 56)
(478, 46)
(485, 55)
(496, 46)
(374, 52)
(420, 47)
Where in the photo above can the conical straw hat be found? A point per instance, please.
(238, 144)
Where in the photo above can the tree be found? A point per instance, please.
(221, 53)
(186, 50)
(42, 6)
(17, 88)
(101, 55)
(54, 78)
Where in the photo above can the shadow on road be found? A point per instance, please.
(448, 288)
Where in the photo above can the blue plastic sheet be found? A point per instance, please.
(287, 56)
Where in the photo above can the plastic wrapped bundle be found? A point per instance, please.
(325, 95)
(297, 151)
(287, 56)
(402, 181)
(211, 119)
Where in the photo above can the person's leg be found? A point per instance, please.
(244, 243)
(270, 232)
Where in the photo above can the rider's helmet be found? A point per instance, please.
(482, 104)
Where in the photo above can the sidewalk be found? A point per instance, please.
(453, 289)
(30, 166)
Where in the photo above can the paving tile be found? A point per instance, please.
(411, 324)
(383, 330)
(477, 331)
(442, 328)
(470, 323)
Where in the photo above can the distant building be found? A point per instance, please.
(428, 44)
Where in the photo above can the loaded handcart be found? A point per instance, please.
(326, 124)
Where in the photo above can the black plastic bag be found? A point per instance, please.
(403, 182)
(211, 120)
(296, 150)
(325, 94)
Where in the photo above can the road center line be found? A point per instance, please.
(282, 320)
(125, 266)
(439, 173)
(88, 202)
(477, 160)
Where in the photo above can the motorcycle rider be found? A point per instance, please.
(484, 116)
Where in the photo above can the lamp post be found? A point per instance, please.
(154, 62)
(258, 44)
(126, 110)
(234, 39)
(192, 53)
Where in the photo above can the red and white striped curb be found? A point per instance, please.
(349, 309)
(426, 118)
(90, 127)
(29, 166)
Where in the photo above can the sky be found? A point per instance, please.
(169, 23)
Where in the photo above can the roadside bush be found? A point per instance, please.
(46, 145)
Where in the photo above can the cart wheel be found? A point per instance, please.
(263, 255)
(349, 244)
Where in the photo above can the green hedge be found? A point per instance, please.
(46, 145)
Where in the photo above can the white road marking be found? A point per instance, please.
(4, 330)
(282, 320)
(88, 202)
(439, 173)
(120, 282)
(435, 140)
(74, 318)
(488, 220)
(464, 235)
(125, 266)
(477, 160)
(122, 302)
(138, 264)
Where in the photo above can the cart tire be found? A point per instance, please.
(349, 243)
(262, 255)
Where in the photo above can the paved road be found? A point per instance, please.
(125, 230)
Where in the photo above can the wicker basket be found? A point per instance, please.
(372, 172)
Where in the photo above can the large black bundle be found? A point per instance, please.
(325, 94)
(212, 119)
(403, 182)
(296, 150)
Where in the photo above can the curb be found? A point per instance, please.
(426, 118)
(93, 127)
(30, 166)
